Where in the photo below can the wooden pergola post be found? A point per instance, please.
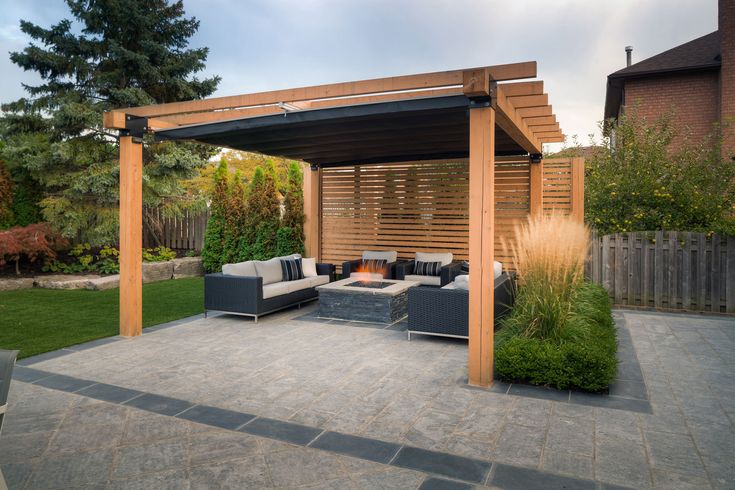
(131, 239)
(312, 189)
(536, 187)
(481, 244)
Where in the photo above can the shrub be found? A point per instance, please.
(36, 241)
(583, 357)
(651, 177)
(263, 214)
(6, 197)
(290, 236)
(158, 254)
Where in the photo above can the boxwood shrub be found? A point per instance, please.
(582, 357)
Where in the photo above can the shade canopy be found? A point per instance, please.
(414, 129)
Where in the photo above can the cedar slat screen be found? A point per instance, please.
(412, 207)
(557, 186)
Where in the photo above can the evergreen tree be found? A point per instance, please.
(114, 54)
(214, 236)
(6, 197)
(234, 222)
(290, 238)
(263, 215)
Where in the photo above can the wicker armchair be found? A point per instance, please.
(445, 312)
(446, 275)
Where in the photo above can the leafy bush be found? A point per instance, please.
(105, 261)
(584, 356)
(290, 236)
(6, 197)
(647, 176)
(36, 241)
(263, 215)
(158, 254)
(214, 236)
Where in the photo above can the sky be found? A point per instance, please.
(258, 45)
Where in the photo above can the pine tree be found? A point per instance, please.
(115, 54)
(214, 236)
(290, 238)
(234, 222)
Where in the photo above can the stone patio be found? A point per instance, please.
(293, 402)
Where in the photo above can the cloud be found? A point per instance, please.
(270, 44)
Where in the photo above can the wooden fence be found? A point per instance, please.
(181, 232)
(669, 270)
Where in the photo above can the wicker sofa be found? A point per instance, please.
(251, 294)
(445, 311)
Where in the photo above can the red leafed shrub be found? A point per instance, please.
(36, 241)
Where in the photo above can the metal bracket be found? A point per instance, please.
(136, 127)
(313, 167)
(490, 100)
(534, 158)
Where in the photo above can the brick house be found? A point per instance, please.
(696, 80)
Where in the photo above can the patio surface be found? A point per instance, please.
(417, 422)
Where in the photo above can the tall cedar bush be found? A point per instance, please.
(650, 176)
(290, 238)
(116, 53)
(214, 237)
(235, 221)
(263, 214)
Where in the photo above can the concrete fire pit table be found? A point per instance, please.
(373, 300)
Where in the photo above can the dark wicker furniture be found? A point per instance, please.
(243, 295)
(445, 312)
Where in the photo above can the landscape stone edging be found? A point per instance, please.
(152, 272)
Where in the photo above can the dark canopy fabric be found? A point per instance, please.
(412, 129)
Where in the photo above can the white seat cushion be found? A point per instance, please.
(275, 289)
(299, 284)
(449, 286)
(269, 270)
(425, 280)
(318, 280)
(444, 258)
(462, 281)
(309, 267)
(497, 269)
(380, 255)
(240, 269)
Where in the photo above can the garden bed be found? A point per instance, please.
(581, 356)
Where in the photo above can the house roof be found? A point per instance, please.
(701, 54)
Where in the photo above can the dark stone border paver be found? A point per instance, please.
(298, 434)
(459, 467)
(516, 478)
(109, 393)
(432, 483)
(216, 417)
(358, 447)
(62, 382)
(159, 404)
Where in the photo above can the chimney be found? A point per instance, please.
(628, 55)
(726, 27)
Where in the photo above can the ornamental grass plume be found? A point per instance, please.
(549, 252)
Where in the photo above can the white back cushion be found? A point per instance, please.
(240, 269)
(462, 281)
(309, 267)
(269, 270)
(379, 255)
(497, 268)
(444, 258)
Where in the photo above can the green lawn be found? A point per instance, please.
(41, 320)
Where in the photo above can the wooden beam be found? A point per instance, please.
(544, 128)
(578, 188)
(539, 121)
(113, 120)
(476, 82)
(522, 101)
(511, 71)
(523, 88)
(312, 207)
(508, 120)
(545, 134)
(535, 111)
(481, 245)
(553, 139)
(131, 239)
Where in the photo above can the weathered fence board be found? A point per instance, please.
(671, 270)
(184, 232)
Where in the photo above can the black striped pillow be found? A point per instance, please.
(427, 268)
(373, 266)
(292, 269)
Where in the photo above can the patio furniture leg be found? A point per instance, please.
(205, 313)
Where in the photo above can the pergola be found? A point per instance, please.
(453, 115)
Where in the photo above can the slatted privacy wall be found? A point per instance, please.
(413, 207)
